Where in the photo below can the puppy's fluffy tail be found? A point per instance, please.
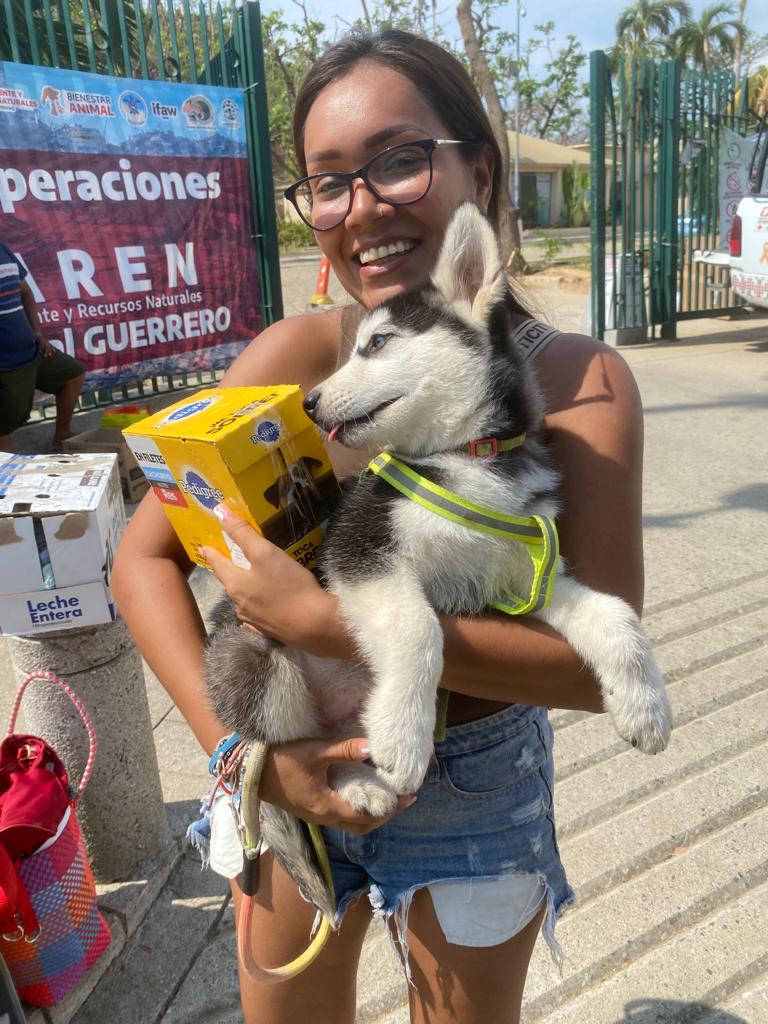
(256, 687)
(288, 839)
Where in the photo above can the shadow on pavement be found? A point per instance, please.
(671, 1011)
(752, 497)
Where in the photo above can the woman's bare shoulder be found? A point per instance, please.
(300, 350)
(577, 372)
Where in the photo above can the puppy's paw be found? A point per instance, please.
(362, 788)
(641, 711)
(402, 768)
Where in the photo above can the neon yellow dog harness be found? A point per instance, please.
(537, 533)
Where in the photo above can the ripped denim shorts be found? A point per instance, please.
(483, 818)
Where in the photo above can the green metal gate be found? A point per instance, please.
(655, 147)
(167, 40)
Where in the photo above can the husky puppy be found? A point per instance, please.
(431, 370)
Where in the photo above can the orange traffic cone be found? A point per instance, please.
(321, 296)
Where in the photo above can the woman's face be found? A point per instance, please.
(351, 121)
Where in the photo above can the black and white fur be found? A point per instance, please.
(430, 371)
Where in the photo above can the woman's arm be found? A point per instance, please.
(149, 583)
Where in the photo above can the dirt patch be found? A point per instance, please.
(570, 279)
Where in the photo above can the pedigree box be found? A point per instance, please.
(61, 517)
(253, 448)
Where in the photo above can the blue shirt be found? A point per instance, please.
(17, 339)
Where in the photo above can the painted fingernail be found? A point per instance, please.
(220, 511)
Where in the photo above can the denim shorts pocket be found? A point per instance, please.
(497, 768)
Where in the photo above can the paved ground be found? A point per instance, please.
(669, 855)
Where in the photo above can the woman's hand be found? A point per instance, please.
(276, 595)
(295, 777)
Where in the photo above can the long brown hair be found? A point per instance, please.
(437, 74)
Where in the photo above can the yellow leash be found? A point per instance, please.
(251, 836)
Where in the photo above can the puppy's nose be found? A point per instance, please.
(310, 402)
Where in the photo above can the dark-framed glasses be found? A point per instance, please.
(398, 175)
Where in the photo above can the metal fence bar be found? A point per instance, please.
(32, 32)
(598, 73)
(69, 33)
(203, 23)
(121, 17)
(13, 37)
(92, 63)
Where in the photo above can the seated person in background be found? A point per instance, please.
(28, 361)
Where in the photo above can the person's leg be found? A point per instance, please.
(60, 375)
(462, 984)
(66, 400)
(325, 992)
(17, 389)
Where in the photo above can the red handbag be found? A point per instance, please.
(51, 930)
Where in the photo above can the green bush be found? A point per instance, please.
(575, 197)
(552, 247)
(293, 234)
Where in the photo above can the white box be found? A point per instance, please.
(61, 517)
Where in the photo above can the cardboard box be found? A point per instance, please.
(134, 483)
(254, 448)
(61, 517)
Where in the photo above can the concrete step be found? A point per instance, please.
(621, 925)
(749, 1003)
(685, 637)
(605, 789)
(666, 824)
(681, 978)
(704, 608)
(595, 740)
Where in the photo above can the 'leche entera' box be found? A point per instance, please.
(254, 449)
(61, 517)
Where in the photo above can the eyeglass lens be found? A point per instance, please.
(400, 176)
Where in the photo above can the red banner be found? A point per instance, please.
(140, 256)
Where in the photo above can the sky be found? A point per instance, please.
(591, 21)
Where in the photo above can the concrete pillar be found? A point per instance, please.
(122, 815)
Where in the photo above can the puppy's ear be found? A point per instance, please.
(469, 271)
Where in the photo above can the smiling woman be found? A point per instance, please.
(392, 138)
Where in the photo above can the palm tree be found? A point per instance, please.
(644, 27)
(713, 36)
(49, 25)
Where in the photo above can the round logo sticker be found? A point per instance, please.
(198, 112)
(201, 490)
(132, 107)
(268, 432)
(188, 410)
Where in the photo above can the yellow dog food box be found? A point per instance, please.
(253, 449)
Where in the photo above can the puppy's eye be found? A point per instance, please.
(378, 341)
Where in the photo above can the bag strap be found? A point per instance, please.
(17, 916)
(51, 677)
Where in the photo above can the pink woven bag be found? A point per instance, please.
(52, 930)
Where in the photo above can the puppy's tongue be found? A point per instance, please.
(333, 433)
